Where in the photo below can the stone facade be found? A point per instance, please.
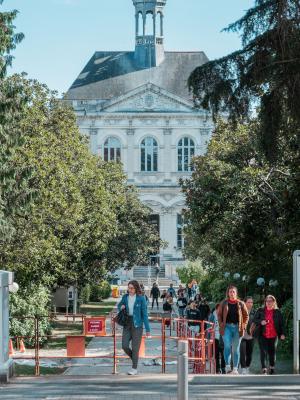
(149, 124)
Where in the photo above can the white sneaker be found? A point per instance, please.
(132, 372)
(235, 371)
(244, 371)
(228, 369)
(248, 371)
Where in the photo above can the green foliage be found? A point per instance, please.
(287, 311)
(264, 73)
(191, 271)
(85, 294)
(243, 215)
(8, 39)
(29, 302)
(100, 291)
(84, 221)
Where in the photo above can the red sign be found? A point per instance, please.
(95, 326)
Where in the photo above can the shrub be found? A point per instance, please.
(85, 294)
(29, 302)
(287, 312)
(100, 291)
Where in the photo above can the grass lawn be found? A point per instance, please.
(98, 309)
(28, 370)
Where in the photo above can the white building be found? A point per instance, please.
(136, 108)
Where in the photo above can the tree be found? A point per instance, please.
(84, 221)
(14, 191)
(265, 73)
(242, 216)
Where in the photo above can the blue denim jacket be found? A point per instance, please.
(140, 312)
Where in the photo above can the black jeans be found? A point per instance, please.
(267, 350)
(219, 355)
(246, 352)
(153, 300)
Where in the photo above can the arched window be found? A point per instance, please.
(149, 155)
(180, 237)
(112, 149)
(149, 23)
(140, 24)
(186, 151)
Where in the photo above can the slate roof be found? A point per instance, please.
(111, 74)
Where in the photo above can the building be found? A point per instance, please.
(136, 108)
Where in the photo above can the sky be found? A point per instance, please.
(62, 35)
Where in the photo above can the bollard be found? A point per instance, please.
(182, 370)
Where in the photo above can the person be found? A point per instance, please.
(219, 345)
(157, 271)
(164, 295)
(193, 314)
(247, 343)
(180, 290)
(168, 308)
(181, 304)
(171, 291)
(155, 294)
(204, 309)
(144, 293)
(233, 319)
(270, 327)
(189, 291)
(135, 305)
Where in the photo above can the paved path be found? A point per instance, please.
(156, 387)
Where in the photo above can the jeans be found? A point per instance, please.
(267, 350)
(246, 352)
(231, 339)
(181, 311)
(133, 335)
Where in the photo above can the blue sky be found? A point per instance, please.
(61, 35)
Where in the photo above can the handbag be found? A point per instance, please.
(122, 318)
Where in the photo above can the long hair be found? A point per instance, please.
(232, 287)
(274, 299)
(136, 285)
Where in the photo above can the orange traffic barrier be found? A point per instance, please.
(142, 351)
(22, 346)
(10, 348)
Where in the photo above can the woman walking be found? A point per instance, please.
(247, 342)
(135, 305)
(233, 318)
(269, 327)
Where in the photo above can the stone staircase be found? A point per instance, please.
(141, 272)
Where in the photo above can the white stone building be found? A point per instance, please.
(136, 108)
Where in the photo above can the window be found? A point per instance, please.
(186, 151)
(180, 238)
(112, 149)
(149, 155)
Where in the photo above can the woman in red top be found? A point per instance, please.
(270, 325)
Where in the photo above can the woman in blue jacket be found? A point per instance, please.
(135, 304)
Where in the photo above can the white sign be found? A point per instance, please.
(297, 283)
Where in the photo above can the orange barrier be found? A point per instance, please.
(22, 346)
(201, 342)
(11, 351)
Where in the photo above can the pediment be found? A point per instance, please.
(148, 98)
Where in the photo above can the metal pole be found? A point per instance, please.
(182, 371)
(296, 307)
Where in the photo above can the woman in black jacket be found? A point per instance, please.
(269, 326)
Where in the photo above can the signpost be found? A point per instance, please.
(296, 308)
(94, 326)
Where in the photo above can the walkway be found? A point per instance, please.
(156, 387)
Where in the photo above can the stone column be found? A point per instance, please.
(161, 24)
(137, 24)
(130, 154)
(154, 25)
(167, 167)
(6, 364)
